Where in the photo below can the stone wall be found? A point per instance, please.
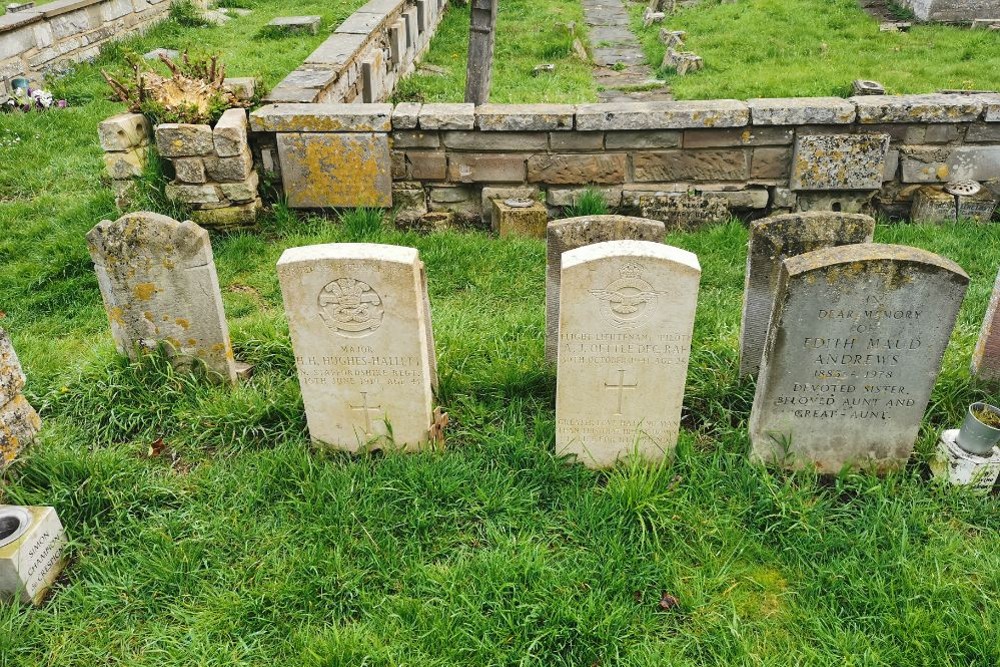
(954, 11)
(682, 162)
(52, 36)
(366, 55)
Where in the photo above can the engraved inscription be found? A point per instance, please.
(351, 308)
(626, 302)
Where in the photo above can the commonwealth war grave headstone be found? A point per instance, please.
(158, 282)
(572, 233)
(625, 324)
(773, 240)
(359, 319)
(986, 357)
(852, 353)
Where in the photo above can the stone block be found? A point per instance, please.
(189, 170)
(746, 136)
(802, 111)
(985, 133)
(230, 169)
(563, 197)
(126, 164)
(576, 141)
(295, 24)
(361, 23)
(839, 162)
(324, 117)
(184, 140)
(933, 108)
(31, 553)
(228, 217)
(409, 201)
(230, 133)
(986, 354)
(447, 116)
(691, 166)
(662, 115)
(426, 165)
(243, 87)
(933, 204)
(648, 139)
(511, 219)
(771, 164)
(335, 170)
(603, 169)
(488, 168)
(405, 116)
(242, 192)
(489, 193)
(124, 131)
(496, 141)
(921, 164)
(416, 139)
(193, 194)
(524, 117)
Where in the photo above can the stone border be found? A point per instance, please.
(366, 56)
(45, 38)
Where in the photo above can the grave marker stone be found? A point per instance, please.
(625, 326)
(775, 239)
(31, 544)
(159, 286)
(572, 233)
(986, 358)
(19, 423)
(852, 353)
(359, 320)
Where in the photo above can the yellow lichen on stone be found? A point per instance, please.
(144, 291)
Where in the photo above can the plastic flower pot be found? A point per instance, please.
(975, 436)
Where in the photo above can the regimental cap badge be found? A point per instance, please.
(631, 270)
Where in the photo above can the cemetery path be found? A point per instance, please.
(620, 64)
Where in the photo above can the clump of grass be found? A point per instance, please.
(187, 14)
(987, 416)
(362, 224)
(590, 202)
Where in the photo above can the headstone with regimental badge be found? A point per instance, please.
(854, 347)
(360, 325)
(571, 233)
(626, 319)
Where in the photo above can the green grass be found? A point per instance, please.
(529, 33)
(799, 48)
(241, 544)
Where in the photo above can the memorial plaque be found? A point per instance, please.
(625, 325)
(986, 358)
(852, 353)
(359, 319)
(773, 240)
(572, 233)
(158, 282)
(31, 552)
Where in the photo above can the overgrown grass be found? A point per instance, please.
(239, 543)
(798, 48)
(529, 33)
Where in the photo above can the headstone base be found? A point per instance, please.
(31, 545)
(515, 220)
(961, 468)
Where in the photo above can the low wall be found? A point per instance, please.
(682, 162)
(51, 36)
(366, 55)
(954, 11)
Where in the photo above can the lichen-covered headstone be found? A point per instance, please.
(19, 423)
(852, 353)
(158, 282)
(773, 240)
(359, 319)
(572, 233)
(625, 325)
(986, 358)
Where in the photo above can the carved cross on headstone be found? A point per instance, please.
(621, 387)
(367, 410)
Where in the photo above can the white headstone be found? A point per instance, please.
(359, 320)
(854, 348)
(159, 286)
(31, 544)
(625, 323)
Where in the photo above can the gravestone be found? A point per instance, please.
(625, 326)
(852, 353)
(775, 239)
(573, 233)
(159, 286)
(986, 358)
(19, 423)
(291, 25)
(359, 320)
(31, 552)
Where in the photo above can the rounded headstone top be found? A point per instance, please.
(14, 521)
(150, 235)
(639, 249)
(345, 251)
(870, 252)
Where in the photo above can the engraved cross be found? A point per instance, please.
(367, 411)
(621, 387)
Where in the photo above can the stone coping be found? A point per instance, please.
(47, 11)
(696, 114)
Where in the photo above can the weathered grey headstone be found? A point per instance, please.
(839, 161)
(295, 24)
(359, 319)
(19, 423)
(773, 240)
(853, 350)
(31, 552)
(158, 282)
(986, 358)
(625, 325)
(572, 233)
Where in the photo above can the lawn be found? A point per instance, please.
(528, 33)
(799, 48)
(235, 542)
